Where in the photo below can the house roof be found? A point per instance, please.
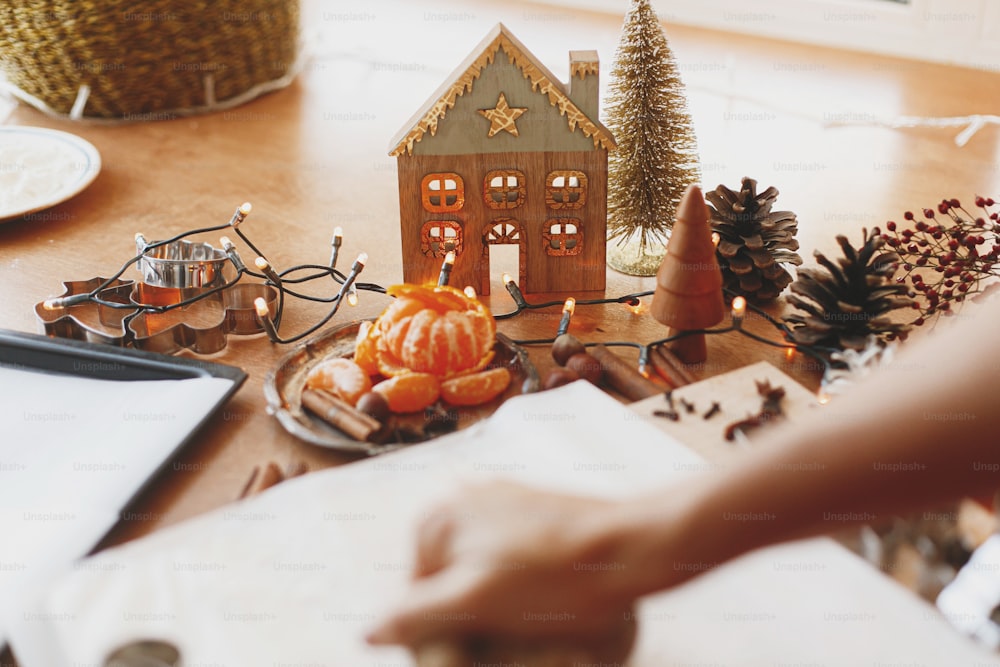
(462, 79)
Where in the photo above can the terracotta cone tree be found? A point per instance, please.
(657, 153)
(688, 293)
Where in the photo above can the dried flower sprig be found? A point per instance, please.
(943, 262)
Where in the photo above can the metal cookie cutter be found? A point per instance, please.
(87, 320)
(201, 326)
(181, 264)
(204, 325)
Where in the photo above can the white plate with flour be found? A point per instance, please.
(40, 168)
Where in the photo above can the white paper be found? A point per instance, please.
(73, 451)
(295, 576)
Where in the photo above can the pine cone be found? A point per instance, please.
(848, 301)
(753, 241)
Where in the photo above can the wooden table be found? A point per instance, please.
(314, 156)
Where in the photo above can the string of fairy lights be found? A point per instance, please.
(737, 315)
(348, 285)
(287, 285)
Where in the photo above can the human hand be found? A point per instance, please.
(504, 572)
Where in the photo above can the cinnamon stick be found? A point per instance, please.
(261, 479)
(270, 476)
(340, 414)
(264, 478)
(249, 483)
(669, 367)
(622, 377)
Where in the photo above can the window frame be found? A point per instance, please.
(563, 237)
(427, 242)
(516, 236)
(426, 192)
(566, 190)
(489, 189)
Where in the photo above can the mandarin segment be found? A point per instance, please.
(441, 298)
(366, 349)
(411, 392)
(342, 377)
(475, 388)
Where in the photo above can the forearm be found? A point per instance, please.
(915, 435)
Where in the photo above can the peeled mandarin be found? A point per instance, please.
(342, 377)
(475, 388)
(366, 350)
(410, 392)
(438, 330)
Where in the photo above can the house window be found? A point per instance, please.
(503, 230)
(442, 193)
(440, 236)
(503, 189)
(565, 189)
(563, 237)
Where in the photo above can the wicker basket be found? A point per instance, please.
(137, 61)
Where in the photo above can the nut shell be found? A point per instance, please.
(565, 346)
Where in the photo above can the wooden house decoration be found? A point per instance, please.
(504, 153)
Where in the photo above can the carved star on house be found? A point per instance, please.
(502, 116)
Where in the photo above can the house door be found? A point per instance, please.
(503, 231)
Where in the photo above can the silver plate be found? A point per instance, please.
(284, 383)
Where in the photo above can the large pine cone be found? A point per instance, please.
(754, 242)
(844, 303)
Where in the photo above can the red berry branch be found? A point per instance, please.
(943, 262)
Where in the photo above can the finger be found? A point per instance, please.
(436, 607)
(434, 538)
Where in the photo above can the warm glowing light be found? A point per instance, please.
(241, 213)
(644, 362)
(567, 312)
(262, 264)
(789, 353)
(470, 291)
(715, 239)
(66, 301)
(352, 296)
(260, 305)
(514, 291)
(739, 307)
(362, 258)
(335, 243)
(638, 308)
(823, 397)
(449, 259)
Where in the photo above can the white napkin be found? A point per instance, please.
(295, 575)
(73, 452)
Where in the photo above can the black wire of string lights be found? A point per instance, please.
(348, 287)
(347, 283)
(737, 316)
